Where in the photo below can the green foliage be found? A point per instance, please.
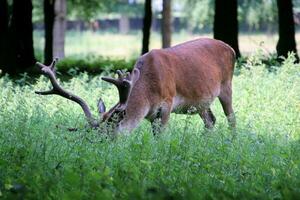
(123, 7)
(93, 64)
(199, 14)
(258, 12)
(38, 11)
(40, 159)
(254, 13)
(91, 9)
(82, 9)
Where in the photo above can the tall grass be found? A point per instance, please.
(40, 159)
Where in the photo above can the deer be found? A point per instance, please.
(183, 79)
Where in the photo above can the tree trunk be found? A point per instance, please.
(3, 18)
(286, 42)
(226, 23)
(147, 26)
(49, 24)
(124, 25)
(3, 32)
(60, 10)
(20, 37)
(166, 26)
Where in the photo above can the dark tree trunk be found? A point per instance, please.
(21, 55)
(3, 32)
(49, 23)
(3, 18)
(286, 42)
(226, 23)
(147, 26)
(166, 27)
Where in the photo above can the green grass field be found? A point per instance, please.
(40, 159)
(129, 46)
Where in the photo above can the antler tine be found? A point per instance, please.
(58, 90)
(53, 64)
(124, 75)
(44, 92)
(40, 65)
(120, 74)
(128, 76)
(116, 82)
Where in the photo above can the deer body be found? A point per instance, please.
(183, 79)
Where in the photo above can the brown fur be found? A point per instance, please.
(176, 79)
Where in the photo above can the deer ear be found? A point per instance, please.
(101, 106)
(135, 75)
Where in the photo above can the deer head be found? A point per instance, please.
(124, 84)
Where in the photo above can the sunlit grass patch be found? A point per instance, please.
(115, 45)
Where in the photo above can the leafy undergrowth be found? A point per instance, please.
(93, 64)
(40, 159)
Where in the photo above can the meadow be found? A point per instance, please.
(41, 159)
(115, 45)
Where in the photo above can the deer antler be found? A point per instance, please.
(58, 90)
(122, 83)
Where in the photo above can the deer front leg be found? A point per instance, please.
(133, 116)
(162, 118)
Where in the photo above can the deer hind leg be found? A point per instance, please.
(208, 118)
(225, 98)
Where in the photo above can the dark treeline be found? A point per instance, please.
(16, 32)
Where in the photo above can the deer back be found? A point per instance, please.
(194, 70)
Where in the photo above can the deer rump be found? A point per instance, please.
(183, 79)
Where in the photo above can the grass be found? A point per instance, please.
(82, 44)
(40, 159)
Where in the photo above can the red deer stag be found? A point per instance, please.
(183, 79)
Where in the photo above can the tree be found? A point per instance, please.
(3, 31)
(226, 23)
(59, 29)
(3, 18)
(19, 46)
(166, 25)
(147, 25)
(49, 24)
(286, 42)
